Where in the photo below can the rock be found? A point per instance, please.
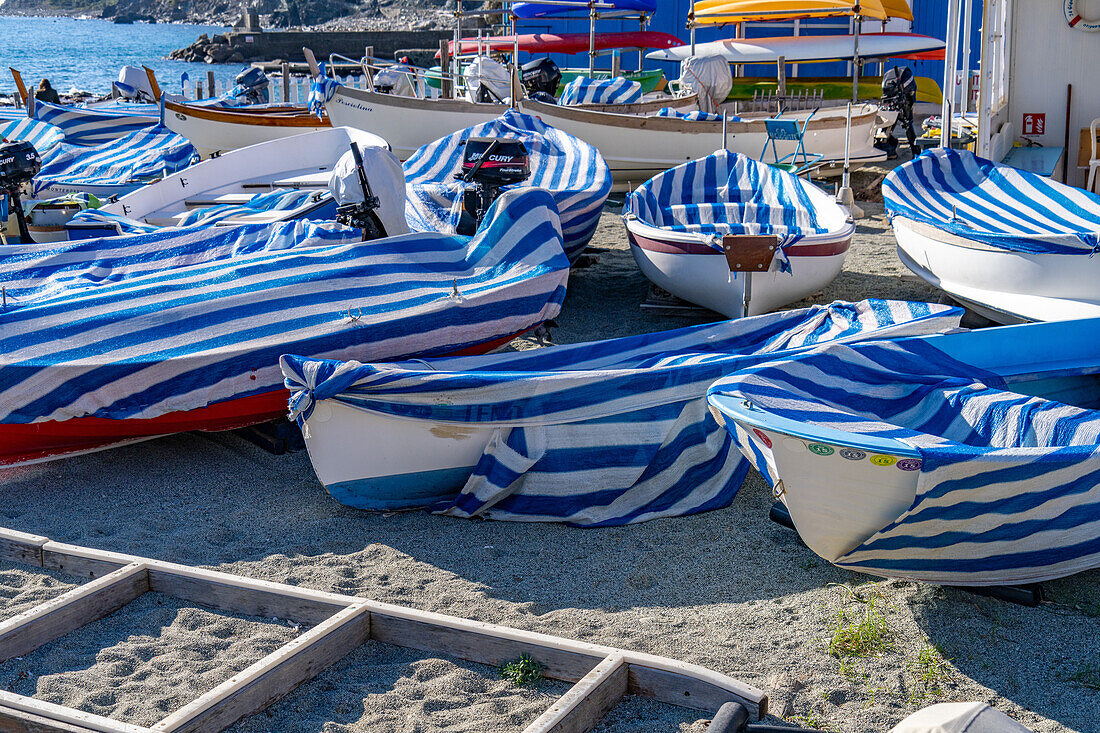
(236, 58)
(219, 38)
(218, 53)
(782, 688)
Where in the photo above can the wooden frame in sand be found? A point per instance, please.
(602, 675)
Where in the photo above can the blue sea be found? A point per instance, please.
(86, 54)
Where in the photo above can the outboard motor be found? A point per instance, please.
(899, 92)
(361, 212)
(541, 78)
(488, 165)
(252, 84)
(19, 163)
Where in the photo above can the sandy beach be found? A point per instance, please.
(728, 589)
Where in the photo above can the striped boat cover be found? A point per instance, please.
(1008, 488)
(125, 163)
(695, 116)
(84, 126)
(272, 201)
(584, 90)
(7, 114)
(42, 135)
(977, 199)
(573, 171)
(603, 433)
(140, 326)
(729, 193)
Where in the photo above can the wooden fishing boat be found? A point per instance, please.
(690, 228)
(338, 624)
(406, 123)
(278, 180)
(967, 459)
(1012, 245)
(637, 148)
(214, 130)
(182, 330)
(593, 434)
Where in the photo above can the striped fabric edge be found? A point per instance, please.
(138, 157)
(90, 126)
(603, 433)
(180, 319)
(997, 205)
(573, 171)
(584, 90)
(1008, 489)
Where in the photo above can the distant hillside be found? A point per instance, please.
(368, 14)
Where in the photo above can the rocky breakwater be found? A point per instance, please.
(215, 49)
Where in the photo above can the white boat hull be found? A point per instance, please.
(1008, 287)
(691, 270)
(638, 148)
(377, 462)
(407, 123)
(214, 131)
(302, 161)
(867, 491)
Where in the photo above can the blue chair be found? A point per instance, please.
(790, 130)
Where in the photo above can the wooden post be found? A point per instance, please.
(781, 68)
(616, 63)
(285, 71)
(152, 77)
(210, 82)
(20, 85)
(198, 90)
(445, 68)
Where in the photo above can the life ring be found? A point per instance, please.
(1075, 20)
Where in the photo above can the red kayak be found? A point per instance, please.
(567, 43)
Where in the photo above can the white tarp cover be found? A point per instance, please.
(387, 182)
(709, 77)
(400, 77)
(493, 74)
(959, 717)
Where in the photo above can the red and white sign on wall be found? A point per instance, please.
(1035, 123)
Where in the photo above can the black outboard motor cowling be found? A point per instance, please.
(488, 165)
(19, 164)
(254, 85)
(540, 75)
(899, 92)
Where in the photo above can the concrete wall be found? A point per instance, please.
(1046, 56)
(288, 44)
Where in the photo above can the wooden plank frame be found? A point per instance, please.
(750, 252)
(602, 675)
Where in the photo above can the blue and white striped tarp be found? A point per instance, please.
(695, 116)
(997, 205)
(8, 114)
(42, 135)
(91, 126)
(272, 201)
(729, 193)
(1008, 489)
(321, 90)
(584, 90)
(116, 167)
(139, 326)
(573, 171)
(602, 433)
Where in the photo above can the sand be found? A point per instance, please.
(727, 590)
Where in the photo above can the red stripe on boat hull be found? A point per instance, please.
(20, 443)
(824, 249)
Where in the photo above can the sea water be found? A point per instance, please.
(86, 54)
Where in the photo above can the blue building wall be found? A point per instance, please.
(929, 18)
